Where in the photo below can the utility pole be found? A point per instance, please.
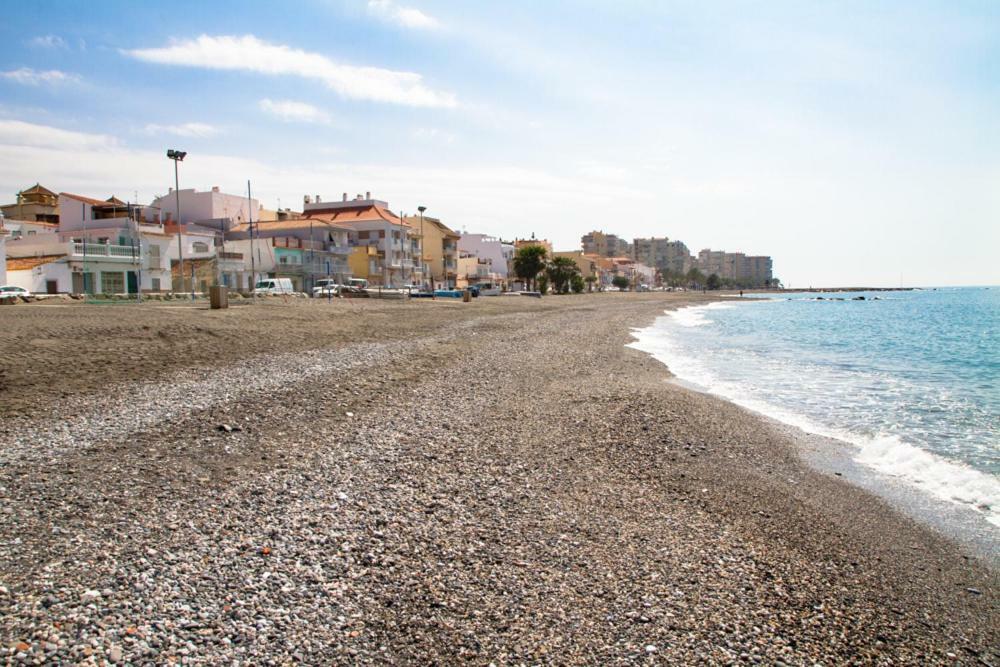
(83, 217)
(253, 264)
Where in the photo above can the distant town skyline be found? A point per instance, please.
(855, 145)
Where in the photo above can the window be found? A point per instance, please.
(363, 235)
(155, 282)
(154, 254)
(381, 233)
(199, 246)
(31, 232)
(112, 282)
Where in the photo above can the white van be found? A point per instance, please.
(273, 286)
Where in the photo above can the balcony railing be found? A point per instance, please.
(105, 250)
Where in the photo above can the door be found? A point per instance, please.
(133, 282)
(51, 287)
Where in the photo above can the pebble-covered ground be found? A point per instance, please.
(497, 482)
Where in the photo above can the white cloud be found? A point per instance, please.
(433, 134)
(250, 54)
(20, 133)
(292, 111)
(407, 17)
(32, 77)
(49, 42)
(199, 130)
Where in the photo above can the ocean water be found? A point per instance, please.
(911, 380)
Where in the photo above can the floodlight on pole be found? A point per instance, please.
(178, 156)
(422, 240)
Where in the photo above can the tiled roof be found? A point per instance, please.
(38, 189)
(365, 213)
(110, 202)
(25, 263)
(86, 200)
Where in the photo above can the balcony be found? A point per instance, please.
(112, 252)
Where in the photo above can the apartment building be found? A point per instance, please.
(438, 252)
(484, 246)
(381, 243)
(736, 266)
(605, 245)
(300, 249)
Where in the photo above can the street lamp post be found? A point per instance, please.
(178, 156)
(422, 241)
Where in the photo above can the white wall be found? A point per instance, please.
(3, 257)
(34, 279)
(208, 205)
(487, 247)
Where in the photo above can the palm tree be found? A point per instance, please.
(560, 271)
(528, 262)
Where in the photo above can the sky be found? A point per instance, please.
(857, 143)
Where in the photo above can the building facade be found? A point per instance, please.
(484, 246)
(34, 204)
(200, 207)
(438, 251)
(605, 245)
(381, 242)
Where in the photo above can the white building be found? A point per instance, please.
(100, 246)
(204, 206)
(499, 254)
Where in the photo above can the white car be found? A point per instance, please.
(268, 286)
(13, 290)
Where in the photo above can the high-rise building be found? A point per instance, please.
(605, 245)
(663, 254)
(736, 266)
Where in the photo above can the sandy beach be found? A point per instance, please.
(433, 482)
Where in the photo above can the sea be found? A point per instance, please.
(908, 381)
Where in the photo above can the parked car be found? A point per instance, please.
(13, 290)
(327, 287)
(273, 286)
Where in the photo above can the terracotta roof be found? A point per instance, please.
(365, 213)
(110, 202)
(39, 189)
(414, 220)
(25, 263)
(86, 200)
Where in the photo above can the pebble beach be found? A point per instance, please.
(500, 482)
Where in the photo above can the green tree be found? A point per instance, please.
(590, 280)
(542, 284)
(695, 277)
(576, 282)
(621, 282)
(528, 263)
(560, 272)
(713, 282)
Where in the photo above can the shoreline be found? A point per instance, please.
(462, 485)
(834, 456)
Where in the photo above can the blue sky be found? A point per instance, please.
(855, 142)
